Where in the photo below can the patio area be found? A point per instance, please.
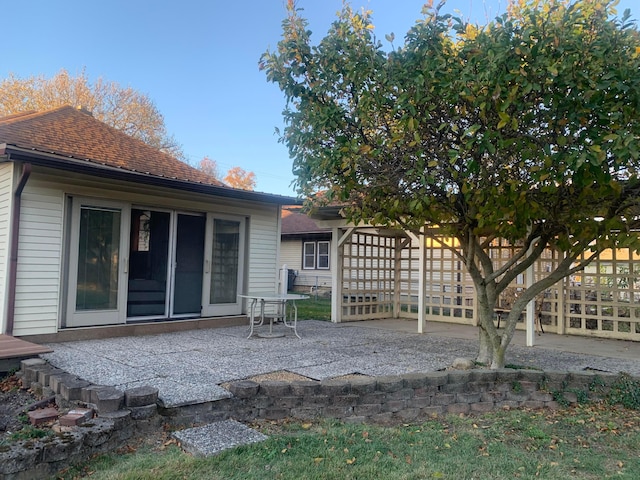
(188, 367)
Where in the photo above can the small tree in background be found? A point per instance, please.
(239, 178)
(525, 129)
(210, 167)
(236, 177)
(120, 107)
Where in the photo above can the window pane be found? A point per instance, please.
(309, 255)
(98, 254)
(323, 255)
(225, 257)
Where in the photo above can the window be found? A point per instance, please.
(315, 255)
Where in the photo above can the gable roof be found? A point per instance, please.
(295, 223)
(71, 139)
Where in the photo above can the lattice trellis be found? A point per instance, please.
(380, 279)
(368, 276)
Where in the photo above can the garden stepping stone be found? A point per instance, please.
(213, 438)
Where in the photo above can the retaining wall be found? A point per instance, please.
(394, 399)
(115, 417)
(384, 400)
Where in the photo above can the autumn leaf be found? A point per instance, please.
(351, 461)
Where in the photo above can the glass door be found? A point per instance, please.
(188, 265)
(224, 265)
(97, 275)
(148, 264)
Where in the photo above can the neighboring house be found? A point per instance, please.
(305, 249)
(98, 228)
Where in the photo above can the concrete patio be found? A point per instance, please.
(188, 367)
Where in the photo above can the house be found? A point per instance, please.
(305, 249)
(98, 228)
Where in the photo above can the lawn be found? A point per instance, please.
(585, 442)
(314, 309)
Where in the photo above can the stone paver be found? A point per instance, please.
(215, 437)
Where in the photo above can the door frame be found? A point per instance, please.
(173, 261)
(169, 270)
(92, 318)
(231, 308)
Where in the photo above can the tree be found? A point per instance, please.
(120, 107)
(239, 178)
(525, 129)
(236, 177)
(210, 167)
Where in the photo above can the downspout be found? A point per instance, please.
(13, 248)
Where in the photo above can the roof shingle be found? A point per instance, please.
(70, 132)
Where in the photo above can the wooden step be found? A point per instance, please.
(11, 347)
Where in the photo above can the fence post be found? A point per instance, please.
(284, 279)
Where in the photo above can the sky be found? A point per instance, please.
(197, 60)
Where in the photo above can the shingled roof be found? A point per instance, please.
(73, 139)
(296, 223)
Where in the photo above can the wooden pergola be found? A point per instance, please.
(382, 273)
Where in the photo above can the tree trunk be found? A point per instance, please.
(485, 348)
(491, 352)
(498, 357)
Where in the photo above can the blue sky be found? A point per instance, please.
(197, 60)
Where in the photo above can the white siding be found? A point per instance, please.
(6, 184)
(40, 270)
(263, 255)
(291, 254)
(307, 280)
(39, 260)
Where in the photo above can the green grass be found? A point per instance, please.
(584, 442)
(314, 309)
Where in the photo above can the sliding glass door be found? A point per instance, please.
(134, 263)
(149, 248)
(97, 273)
(224, 265)
(188, 265)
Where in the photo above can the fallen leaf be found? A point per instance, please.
(306, 426)
(351, 461)
(318, 460)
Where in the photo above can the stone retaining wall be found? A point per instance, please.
(414, 396)
(394, 399)
(119, 416)
(385, 400)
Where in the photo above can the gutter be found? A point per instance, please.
(14, 245)
(90, 167)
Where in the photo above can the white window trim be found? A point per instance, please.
(316, 255)
(310, 257)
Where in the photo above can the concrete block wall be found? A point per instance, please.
(414, 396)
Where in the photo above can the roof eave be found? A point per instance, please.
(72, 164)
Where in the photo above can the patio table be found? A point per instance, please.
(281, 301)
